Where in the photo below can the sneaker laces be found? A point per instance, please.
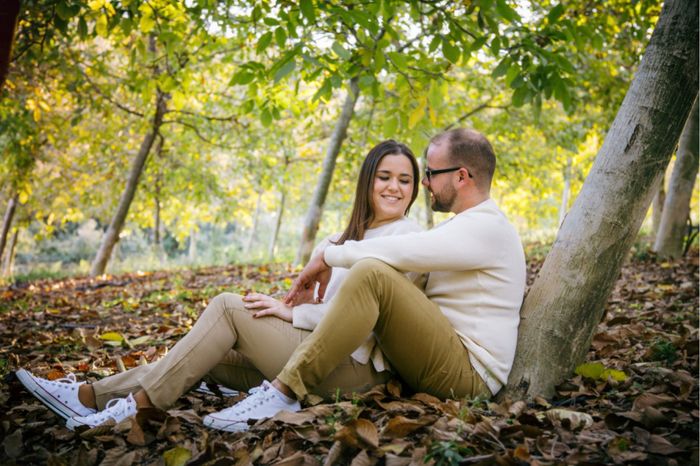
(256, 397)
(115, 409)
(68, 379)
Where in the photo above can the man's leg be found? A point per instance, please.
(416, 337)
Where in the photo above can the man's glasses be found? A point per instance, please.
(430, 172)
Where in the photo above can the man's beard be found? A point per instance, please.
(442, 201)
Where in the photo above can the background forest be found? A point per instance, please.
(217, 132)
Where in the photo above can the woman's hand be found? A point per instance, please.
(316, 271)
(266, 306)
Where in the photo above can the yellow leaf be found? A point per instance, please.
(112, 336)
(614, 374)
(177, 456)
(101, 26)
(592, 370)
(417, 114)
(146, 24)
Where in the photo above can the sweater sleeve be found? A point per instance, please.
(464, 242)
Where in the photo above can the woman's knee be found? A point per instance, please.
(224, 303)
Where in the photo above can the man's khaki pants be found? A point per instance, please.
(239, 351)
(414, 335)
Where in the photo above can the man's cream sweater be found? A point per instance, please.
(477, 277)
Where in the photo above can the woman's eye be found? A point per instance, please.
(383, 178)
(405, 181)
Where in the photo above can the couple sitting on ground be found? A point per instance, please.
(438, 309)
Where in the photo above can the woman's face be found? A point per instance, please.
(393, 186)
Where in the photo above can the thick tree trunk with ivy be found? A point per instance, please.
(7, 221)
(115, 227)
(313, 216)
(672, 228)
(566, 301)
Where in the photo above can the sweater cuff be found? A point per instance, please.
(333, 256)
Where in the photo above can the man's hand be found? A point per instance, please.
(316, 271)
(267, 306)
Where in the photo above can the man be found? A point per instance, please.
(455, 339)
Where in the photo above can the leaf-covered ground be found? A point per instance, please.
(634, 402)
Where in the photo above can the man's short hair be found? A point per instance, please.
(471, 149)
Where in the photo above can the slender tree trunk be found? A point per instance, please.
(256, 220)
(278, 225)
(313, 216)
(657, 207)
(566, 302)
(156, 195)
(566, 193)
(7, 221)
(115, 227)
(9, 259)
(429, 223)
(672, 229)
(192, 250)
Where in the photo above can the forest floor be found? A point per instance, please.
(635, 400)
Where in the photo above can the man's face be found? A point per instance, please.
(440, 186)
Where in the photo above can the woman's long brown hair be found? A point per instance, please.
(362, 212)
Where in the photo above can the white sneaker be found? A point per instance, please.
(61, 395)
(117, 409)
(263, 401)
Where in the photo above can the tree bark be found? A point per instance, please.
(7, 221)
(566, 193)
(657, 208)
(429, 222)
(9, 12)
(9, 258)
(115, 227)
(566, 302)
(256, 220)
(313, 216)
(672, 229)
(278, 225)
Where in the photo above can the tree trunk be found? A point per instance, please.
(657, 207)
(429, 223)
(313, 216)
(566, 302)
(256, 220)
(7, 222)
(9, 258)
(278, 225)
(669, 240)
(156, 195)
(9, 12)
(566, 193)
(115, 227)
(192, 250)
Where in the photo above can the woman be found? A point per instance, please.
(236, 342)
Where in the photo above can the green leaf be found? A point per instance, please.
(398, 59)
(506, 12)
(307, 9)
(242, 77)
(555, 13)
(451, 52)
(284, 70)
(478, 43)
(280, 37)
(434, 95)
(390, 125)
(264, 42)
(82, 28)
(177, 456)
(341, 51)
(520, 95)
(434, 44)
(324, 92)
(63, 11)
(502, 68)
(265, 117)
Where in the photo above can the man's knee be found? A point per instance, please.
(372, 267)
